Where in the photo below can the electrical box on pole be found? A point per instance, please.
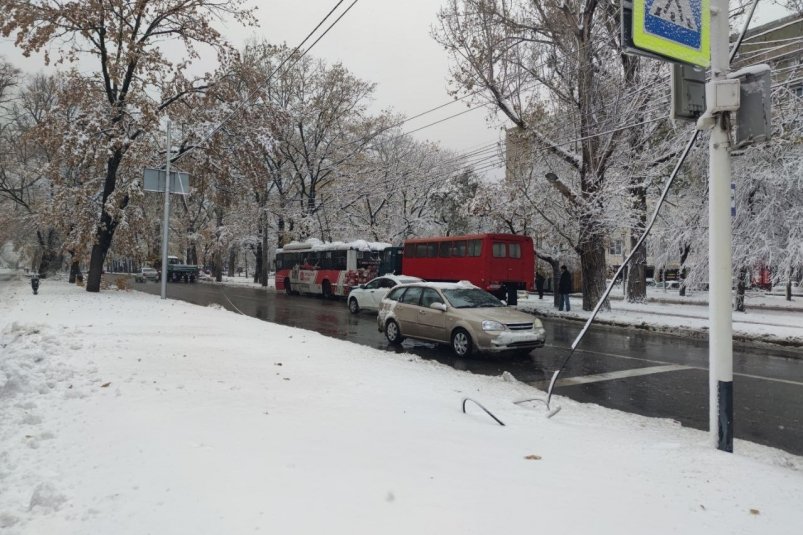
(754, 117)
(688, 92)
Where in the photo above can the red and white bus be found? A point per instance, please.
(494, 262)
(327, 269)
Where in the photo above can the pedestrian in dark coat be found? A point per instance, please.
(539, 285)
(564, 289)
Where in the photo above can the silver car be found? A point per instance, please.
(459, 314)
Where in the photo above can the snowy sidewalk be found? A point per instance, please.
(780, 327)
(125, 414)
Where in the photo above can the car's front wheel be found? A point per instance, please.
(393, 333)
(461, 343)
(354, 306)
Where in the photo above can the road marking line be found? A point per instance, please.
(736, 374)
(609, 376)
(786, 381)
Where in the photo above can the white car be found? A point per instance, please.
(147, 273)
(369, 295)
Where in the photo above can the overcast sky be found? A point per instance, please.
(384, 41)
(387, 42)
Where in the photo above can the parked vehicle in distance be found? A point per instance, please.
(671, 285)
(176, 271)
(147, 274)
(497, 263)
(467, 318)
(370, 294)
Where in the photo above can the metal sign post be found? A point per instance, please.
(157, 180)
(166, 219)
(697, 32)
(722, 97)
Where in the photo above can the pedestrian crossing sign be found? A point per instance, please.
(676, 29)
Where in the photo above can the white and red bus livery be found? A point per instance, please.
(327, 268)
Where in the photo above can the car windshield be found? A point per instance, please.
(471, 298)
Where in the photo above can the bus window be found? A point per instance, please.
(499, 250)
(432, 250)
(339, 260)
(475, 248)
(444, 249)
(459, 248)
(368, 260)
(514, 250)
(409, 250)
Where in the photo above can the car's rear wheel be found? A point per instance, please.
(354, 306)
(393, 333)
(461, 343)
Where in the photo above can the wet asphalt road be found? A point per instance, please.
(634, 371)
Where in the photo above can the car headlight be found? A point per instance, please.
(490, 325)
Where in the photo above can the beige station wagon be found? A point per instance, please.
(459, 314)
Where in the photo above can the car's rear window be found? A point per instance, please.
(394, 294)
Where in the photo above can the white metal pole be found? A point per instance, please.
(166, 219)
(720, 347)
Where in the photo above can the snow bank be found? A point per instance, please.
(122, 413)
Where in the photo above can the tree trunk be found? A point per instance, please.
(258, 260)
(789, 290)
(740, 288)
(555, 277)
(218, 254)
(592, 266)
(106, 226)
(192, 255)
(263, 273)
(75, 270)
(99, 250)
(49, 259)
(232, 261)
(637, 274)
(637, 269)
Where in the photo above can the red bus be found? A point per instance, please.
(493, 262)
(327, 269)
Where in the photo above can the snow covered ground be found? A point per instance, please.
(121, 413)
(768, 319)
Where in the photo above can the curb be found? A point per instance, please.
(697, 334)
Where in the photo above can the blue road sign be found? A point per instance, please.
(677, 29)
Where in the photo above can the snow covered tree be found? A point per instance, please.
(135, 83)
(553, 69)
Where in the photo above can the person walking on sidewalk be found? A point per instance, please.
(564, 289)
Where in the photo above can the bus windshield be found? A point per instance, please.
(471, 298)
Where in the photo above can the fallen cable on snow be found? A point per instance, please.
(550, 413)
(483, 408)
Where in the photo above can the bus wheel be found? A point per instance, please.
(326, 289)
(393, 333)
(287, 289)
(354, 306)
(461, 343)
